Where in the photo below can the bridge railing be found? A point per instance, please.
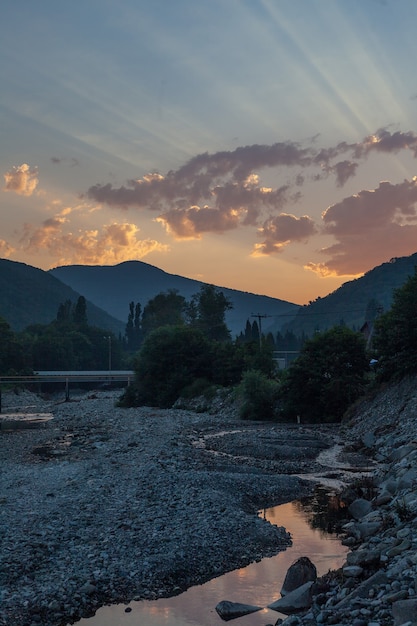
(67, 377)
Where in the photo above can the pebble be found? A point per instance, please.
(114, 528)
(102, 504)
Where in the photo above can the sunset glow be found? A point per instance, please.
(267, 146)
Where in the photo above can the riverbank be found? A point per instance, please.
(102, 505)
(378, 584)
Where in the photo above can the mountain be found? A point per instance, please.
(113, 287)
(31, 296)
(350, 301)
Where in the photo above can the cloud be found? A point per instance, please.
(59, 160)
(220, 192)
(5, 249)
(283, 229)
(114, 243)
(344, 170)
(370, 209)
(21, 179)
(385, 141)
(364, 224)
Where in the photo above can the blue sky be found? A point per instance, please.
(264, 145)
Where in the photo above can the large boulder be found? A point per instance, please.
(231, 610)
(300, 572)
(298, 600)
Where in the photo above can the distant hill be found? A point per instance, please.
(112, 288)
(349, 302)
(31, 296)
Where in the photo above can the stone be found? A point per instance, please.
(352, 571)
(367, 529)
(295, 601)
(364, 558)
(362, 590)
(359, 508)
(231, 610)
(299, 573)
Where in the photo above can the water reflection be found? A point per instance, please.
(257, 584)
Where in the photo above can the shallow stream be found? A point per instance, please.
(308, 521)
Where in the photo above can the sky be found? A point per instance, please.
(267, 146)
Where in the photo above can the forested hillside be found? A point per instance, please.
(31, 296)
(353, 301)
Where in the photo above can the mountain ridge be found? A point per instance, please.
(139, 282)
(29, 295)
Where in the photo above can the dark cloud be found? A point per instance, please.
(222, 191)
(366, 223)
(58, 160)
(278, 231)
(385, 141)
(369, 209)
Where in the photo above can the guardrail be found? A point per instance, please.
(67, 377)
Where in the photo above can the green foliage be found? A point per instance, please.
(327, 377)
(163, 309)
(395, 333)
(12, 356)
(258, 395)
(69, 343)
(80, 312)
(170, 359)
(207, 312)
(133, 331)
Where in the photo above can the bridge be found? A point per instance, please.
(65, 377)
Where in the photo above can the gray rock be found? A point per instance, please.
(297, 600)
(352, 571)
(362, 590)
(231, 610)
(359, 508)
(299, 573)
(364, 558)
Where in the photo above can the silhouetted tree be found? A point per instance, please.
(327, 376)
(209, 308)
(395, 334)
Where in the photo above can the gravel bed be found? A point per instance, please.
(103, 505)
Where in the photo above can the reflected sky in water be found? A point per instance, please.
(258, 583)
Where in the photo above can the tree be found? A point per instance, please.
(208, 309)
(164, 309)
(12, 356)
(64, 312)
(395, 333)
(327, 376)
(258, 395)
(133, 331)
(80, 312)
(170, 359)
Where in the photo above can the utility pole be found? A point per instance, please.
(260, 317)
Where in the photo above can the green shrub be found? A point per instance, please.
(258, 396)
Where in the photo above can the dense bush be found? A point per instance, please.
(258, 396)
(395, 334)
(171, 359)
(327, 377)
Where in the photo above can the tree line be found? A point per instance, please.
(182, 349)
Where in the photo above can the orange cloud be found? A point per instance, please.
(22, 179)
(364, 223)
(220, 191)
(115, 243)
(5, 249)
(281, 230)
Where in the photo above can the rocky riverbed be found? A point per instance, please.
(103, 504)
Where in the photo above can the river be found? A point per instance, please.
(258, 584)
